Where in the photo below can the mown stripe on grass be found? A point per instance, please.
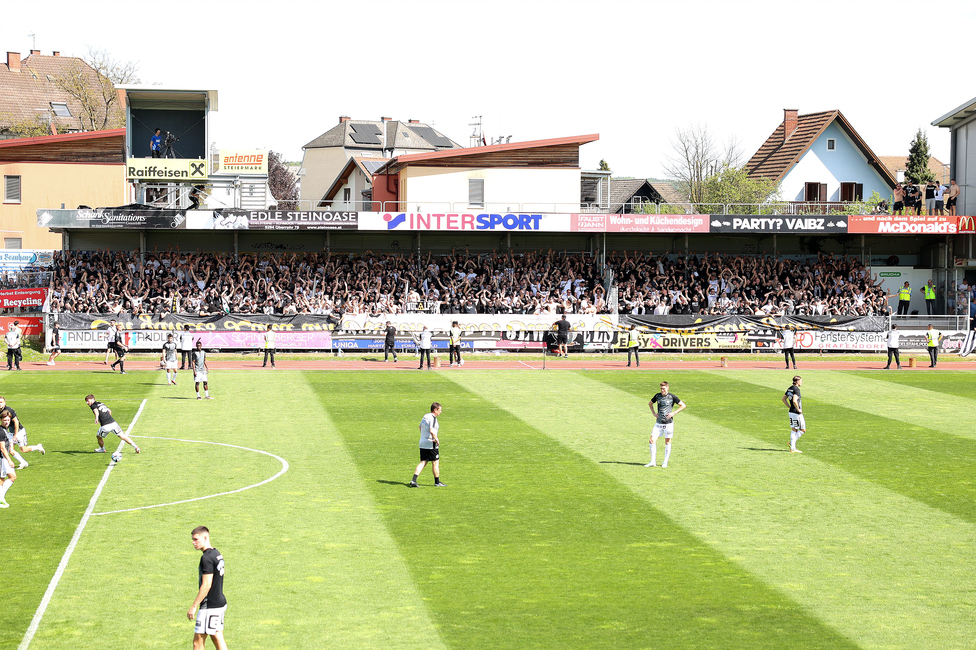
(530, 545)
(928, 465)
(309, 563)
(881, 568)
(49, 498)
(921, 404)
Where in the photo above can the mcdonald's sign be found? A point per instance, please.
(966, 224)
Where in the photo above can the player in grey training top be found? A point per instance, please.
(665, 401)
(200, 370)
(168, 357)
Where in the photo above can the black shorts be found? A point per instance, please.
(430, 454)
(951, 202)
(561, 339)
(899, 205)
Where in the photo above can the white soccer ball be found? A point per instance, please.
(116, 456)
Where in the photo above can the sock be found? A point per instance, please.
(793, 438)
(653, 454)
(414, 479)
(3, 488)
(18, 457)
(206, 392)
(437, 479)
(121, 365)
(198, 392)
(667, 452)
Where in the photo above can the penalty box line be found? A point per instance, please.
(46, 600)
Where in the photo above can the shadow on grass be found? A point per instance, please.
(75, 452)
(765, 449)
(165, 397)
(403, 483)
(620, 462)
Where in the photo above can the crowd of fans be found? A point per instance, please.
(496, 283)
(753, 285)
(324, 283)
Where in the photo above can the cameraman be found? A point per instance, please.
(156, 144)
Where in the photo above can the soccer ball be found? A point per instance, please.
(116, 456)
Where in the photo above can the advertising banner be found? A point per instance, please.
(152, 340)
(230, 219)
(240, 161)
(472, 323)
(14, 298)
(750, 323)
(730, 223)
(447, 221)
(166, 169)
(649, 223)
(136, 217)
(29, 325)
(19, 259)
(694, 341)
(907, 224)
(218, 322)
(823, 340)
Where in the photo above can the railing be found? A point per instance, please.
(33, 279)
(938, 321)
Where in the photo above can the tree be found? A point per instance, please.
(31, 127)
(604, 167)
(91, 82)
(918, 160)
(733, 185)
(697, 157)
(284, 185)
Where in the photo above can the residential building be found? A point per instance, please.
(352, 189)
(898, 165)
(627, 194)
(535, 176)
(66, 170)
(820, 158)
(30, 95)
(961, 122)
(326, 156)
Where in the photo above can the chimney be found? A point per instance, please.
(13, 60)
(35, 52)
(56, 53)
(343, 118)
(413, 121)
(790, 122)
(386, 119)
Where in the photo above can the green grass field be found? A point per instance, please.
(550, 534)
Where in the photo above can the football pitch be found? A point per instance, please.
(550, 533)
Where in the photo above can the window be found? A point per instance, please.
(346, 195)
(476, 192)
(13, 243)
(11, 189)
(831, 144)
(815, 192)
(60, 109)
(852, 191)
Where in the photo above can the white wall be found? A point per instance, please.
(429, 189)
(845, 164)
(894, 277)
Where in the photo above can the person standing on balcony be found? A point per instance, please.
(951, 197)
(929, 292)
(904, 299)
(899, 205)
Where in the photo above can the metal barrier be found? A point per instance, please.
(938, 321)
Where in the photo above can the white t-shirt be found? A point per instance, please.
(428, 428)
(425, 343)
(789, 339)
(893, 338)
(13, 339)
(186, 341)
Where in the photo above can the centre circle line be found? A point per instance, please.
(284, 468)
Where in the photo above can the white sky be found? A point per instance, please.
(633, 72)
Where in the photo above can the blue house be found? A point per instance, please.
(819, 157)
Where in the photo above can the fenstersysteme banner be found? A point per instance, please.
(731, 223)
(705, 323)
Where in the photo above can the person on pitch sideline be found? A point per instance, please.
(633, 345)
(269, 347)
(562, 336)
(789, 342)
(798, 425)
(186, 348)
(107, 425)
(17, 435)
(664, 424)
(7, 473)
(429, 446)
(894, 336)
(455, 344)
(210, 605)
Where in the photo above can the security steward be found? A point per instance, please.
(904, 299)
(929, 291)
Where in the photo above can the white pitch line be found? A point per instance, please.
(284, 468)
(39, 614)
(527, 365)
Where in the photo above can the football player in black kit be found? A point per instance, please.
(210, 599)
